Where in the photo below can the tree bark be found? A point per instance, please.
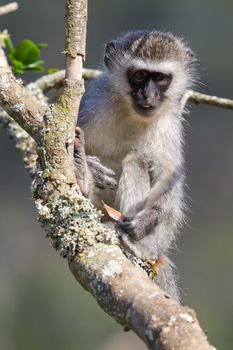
(121, 288)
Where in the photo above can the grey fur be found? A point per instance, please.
(103, 177)
(145, 153)
(91, 174)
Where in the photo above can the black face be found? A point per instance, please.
(147, 89)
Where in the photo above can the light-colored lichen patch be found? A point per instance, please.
(4, 82)
(112, 269)
(18, 108)
(43, 210)
(153, 295)
(153, 318)
(172, 320)
(186, 317)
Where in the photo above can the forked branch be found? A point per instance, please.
(123, 290)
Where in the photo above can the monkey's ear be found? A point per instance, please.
(111, 51)
(192, 59)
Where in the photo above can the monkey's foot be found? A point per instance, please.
(140, 225)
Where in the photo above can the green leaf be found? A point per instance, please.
(37, 66)
(10, 46)
(27, 52)
(18, 66)
(25, 57)
(154, 274)
(52, 70)
(38, 69)
(41, 45)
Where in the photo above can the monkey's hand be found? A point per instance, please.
(140, 225)
(88, 166)
(103, 176)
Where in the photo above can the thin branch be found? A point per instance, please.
(89, 74)
(13, 6)
(16, 100)
(197, 97)
(55, 80)
(24, 143)
(76, 23)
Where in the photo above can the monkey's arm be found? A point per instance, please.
(152, 214)
(91, 174)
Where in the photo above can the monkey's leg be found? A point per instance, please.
(148, 230)
(141, 232)
(134, 184)
(133, 189)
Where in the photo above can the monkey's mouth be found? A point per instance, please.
(145, 110)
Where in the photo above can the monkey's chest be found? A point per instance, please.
(111, 147)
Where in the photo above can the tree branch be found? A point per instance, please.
(125, 292)
(197, 97)
(61, 129)
(55, 80)
(122, 289)
(23, 141)
(17, 101)
(13, 6)
(76, 22)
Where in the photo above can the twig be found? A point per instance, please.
(16, 100)
(23, 141)
(3, 59)
(197, 97)
(13, 6)
(55, 80)
(76, 22)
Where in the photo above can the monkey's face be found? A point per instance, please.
(147, 89)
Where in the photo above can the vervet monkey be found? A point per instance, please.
(131, 116)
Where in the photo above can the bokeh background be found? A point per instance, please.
(41, 306)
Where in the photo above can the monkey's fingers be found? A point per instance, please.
(95, 163)
(79, 138)
(126, 225)
(104, 181)
(103, 176)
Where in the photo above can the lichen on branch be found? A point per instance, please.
(73, 224)
(76, 23)
(17, 101)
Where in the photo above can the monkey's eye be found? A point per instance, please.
(140, 75)
(159, 76)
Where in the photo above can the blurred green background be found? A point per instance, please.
(41, 306)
